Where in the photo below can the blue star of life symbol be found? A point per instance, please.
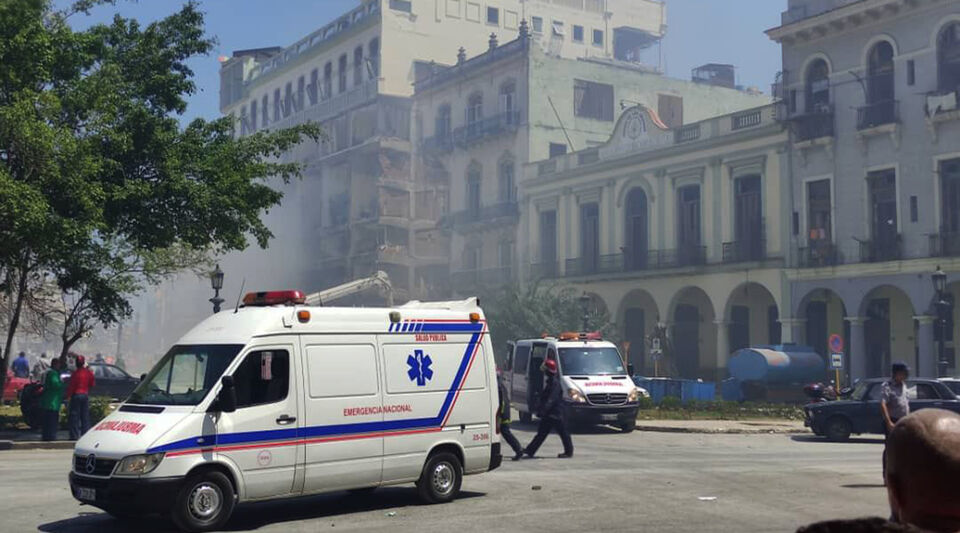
(419, 368)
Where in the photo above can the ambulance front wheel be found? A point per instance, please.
(204, 503)
(441, 478)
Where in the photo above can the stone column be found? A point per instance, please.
(723, 348)
(926, 347)
(792, 330)
(858, 348)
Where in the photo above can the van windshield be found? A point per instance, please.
(590, 361)
(185, 374)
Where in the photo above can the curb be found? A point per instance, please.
(721, 431)
(37, 445)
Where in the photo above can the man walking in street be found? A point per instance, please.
(21, 366)
(503, 414)
(78, 392)
(550, 411)
(50, 400)
(894, 403)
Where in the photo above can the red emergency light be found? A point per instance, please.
(266, 298)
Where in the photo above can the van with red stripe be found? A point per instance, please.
(279, 399)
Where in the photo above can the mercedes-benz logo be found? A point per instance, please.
(91, 463)
(608, 399)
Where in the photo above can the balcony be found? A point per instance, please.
(945, 244)
(878, 114)
(590, 265)
(690, 132)
(485, 213)
(485, 128)
(878, 251)
(819, 254)
(746, 119)
(545, 270)
(811, 126)
(744, 251)
(327, 109)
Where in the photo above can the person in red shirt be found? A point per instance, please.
(78, 391)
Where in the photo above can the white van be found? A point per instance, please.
(597, 388)
(277, 399)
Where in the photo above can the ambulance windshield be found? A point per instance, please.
(588, 361)
(185, 374)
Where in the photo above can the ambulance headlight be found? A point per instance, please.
(136, 465)
(576, 396)
(636, 394)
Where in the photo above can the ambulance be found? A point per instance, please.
(597, 388)
(279, 399)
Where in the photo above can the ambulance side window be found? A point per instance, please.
(263, 377)
(520, 356)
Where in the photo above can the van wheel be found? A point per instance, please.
(525, 417)
(838, 429)
(205, 502)
(628, 427)
(441, 478)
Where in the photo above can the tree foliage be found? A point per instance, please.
(101, 189)
(524, 312)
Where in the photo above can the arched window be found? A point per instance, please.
(507, 181)
(327, 81)
(474, 111)
(342, 74)
(265, 109)
(508, 103)
(881, 105)
(948, 58)
(474, 178)
(818, 87)
(374, 58)
(635, 250)
(358, 66)
(443, 125)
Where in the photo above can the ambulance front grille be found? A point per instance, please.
(607, 399)
(101, 467)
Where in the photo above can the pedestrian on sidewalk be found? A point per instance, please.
(78, 392)
(503, 414)
(50, 401)
(21, 366)
(894, 403)
(550, 411)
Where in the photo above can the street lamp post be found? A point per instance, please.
(944, 307)
(585, 306)
(216, 282)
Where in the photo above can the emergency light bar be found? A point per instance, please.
(573, 336)
(267, 298)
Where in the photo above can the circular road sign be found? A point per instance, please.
(836, 343)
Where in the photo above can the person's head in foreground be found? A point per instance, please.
(899, 371)
(923, 466)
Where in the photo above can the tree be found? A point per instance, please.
(97, 176)
(524, 312)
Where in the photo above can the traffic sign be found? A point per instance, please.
(656, 344)
(835, 342)
(836, 361)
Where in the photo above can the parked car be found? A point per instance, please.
(952, 383)
(860, 411)
(12, 387)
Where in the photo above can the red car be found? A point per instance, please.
(12, 387)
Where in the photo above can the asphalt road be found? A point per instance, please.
(616, 482)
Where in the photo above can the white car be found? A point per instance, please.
(280, 400)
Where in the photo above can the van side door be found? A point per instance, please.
(343, 412)
(260, 437)
(518, 377)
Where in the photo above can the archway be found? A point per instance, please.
(823, 313)
(693, 335)
(889, 329)
(638, 319)
(752, 317)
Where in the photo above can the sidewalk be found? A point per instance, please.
(732, 427)
(30, 440)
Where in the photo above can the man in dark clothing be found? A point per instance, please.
(894, 403)
(503, 413)
(550, 411)
(20, 366)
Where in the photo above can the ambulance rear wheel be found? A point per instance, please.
(204, 503)
(441, 478)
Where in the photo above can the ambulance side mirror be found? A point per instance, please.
(227, 399)
(630, 370)
(143, 377)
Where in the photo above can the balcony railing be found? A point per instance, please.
(743, 251)
(589, 265)
(687, 133)
(945, 244)
(878, 114)
(545, 270)
(814, 125)
(484, 213)
(819, 254)
(748, 119)
(885, 250)
(487, 127)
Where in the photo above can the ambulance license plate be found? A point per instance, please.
(86, 494)
(608, 418)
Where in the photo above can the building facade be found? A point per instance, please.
(869, 90)
(670, 227)
(482, 119)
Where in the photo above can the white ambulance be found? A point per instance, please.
(597, 388)
(278, 399)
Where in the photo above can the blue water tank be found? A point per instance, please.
(786, 363)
